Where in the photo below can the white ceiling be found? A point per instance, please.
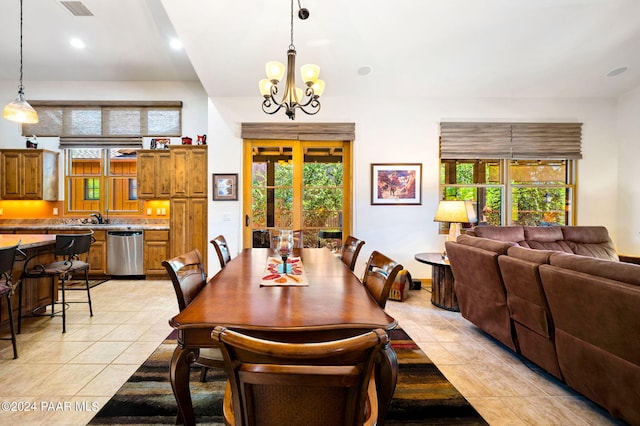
(433, 48)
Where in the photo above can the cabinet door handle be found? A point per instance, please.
(246, 220)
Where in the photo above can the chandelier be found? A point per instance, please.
(19, 110)
(293, 97)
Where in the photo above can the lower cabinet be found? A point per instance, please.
(156, 249)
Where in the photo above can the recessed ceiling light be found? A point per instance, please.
(77, 43)
(365, 70)
(175, 44)
(617, 71)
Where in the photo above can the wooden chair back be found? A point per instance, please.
(279, 383)
(350, 251)
(379, 276)
(222, 250)
(187, 275)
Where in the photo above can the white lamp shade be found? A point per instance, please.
(265, 87)
(19, 110)
(275, 70)
(310, 72)
(455, 211)
(318, 88)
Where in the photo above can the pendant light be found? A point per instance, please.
(19, 110)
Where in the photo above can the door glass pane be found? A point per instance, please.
(271, 192)
(322, 197)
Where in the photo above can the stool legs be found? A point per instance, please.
(62, 302)
(12, 326)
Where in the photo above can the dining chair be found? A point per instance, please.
(350, 251)
(188, 278)
(7, 288)
(222, 249)
(281, 383)
(71, 254)
(379, 276)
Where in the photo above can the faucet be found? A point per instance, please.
(98, 216)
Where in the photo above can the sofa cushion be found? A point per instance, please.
(618, 271)
(534, 256)
(499, 247)
(500, 233)
(593, 241)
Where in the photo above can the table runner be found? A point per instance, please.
(275, 275)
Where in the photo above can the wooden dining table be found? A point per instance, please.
(333, 304)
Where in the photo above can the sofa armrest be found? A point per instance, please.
(629, 259)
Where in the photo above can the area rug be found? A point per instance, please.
(81, 285)
(423, 395)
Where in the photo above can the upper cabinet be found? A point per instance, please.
(154, 173)
(189, 165)
(29, 174)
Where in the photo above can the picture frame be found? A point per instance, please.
(396, 184)
(225, 187)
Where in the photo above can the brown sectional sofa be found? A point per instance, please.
(560, 297)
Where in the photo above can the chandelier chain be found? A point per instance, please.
(291, 46)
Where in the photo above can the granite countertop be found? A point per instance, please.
(66, 224)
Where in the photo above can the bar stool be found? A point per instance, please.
(72, 252)
(7, 288)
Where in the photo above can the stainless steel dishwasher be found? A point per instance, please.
(125, 255)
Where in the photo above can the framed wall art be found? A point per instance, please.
(225, 187)
(396, 184)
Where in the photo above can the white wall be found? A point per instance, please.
(628, 214)
(405, 130)
(390, 130)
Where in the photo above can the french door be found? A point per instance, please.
(298, 185)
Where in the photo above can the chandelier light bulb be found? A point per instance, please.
(275, 70)
(310, 73)
(318, 88)
(265, 87)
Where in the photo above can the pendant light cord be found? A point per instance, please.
(20, 88)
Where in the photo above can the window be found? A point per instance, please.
(527, 177)
(101, 179)
(91, 189)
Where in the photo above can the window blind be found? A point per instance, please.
(510, 140)
(105, 122)
(302, 131)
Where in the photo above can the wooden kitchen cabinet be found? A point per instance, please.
(156, 249)
(189, 167)
(154, 174)
(29, 174)
(189, 226)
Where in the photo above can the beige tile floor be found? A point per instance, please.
(63, 379)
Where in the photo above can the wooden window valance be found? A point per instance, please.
(510, 140)
(95, 120)
(300, 131)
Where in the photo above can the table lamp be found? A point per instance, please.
(455, 212)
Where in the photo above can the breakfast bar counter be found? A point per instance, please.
(34, 295)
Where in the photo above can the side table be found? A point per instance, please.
(443, 294)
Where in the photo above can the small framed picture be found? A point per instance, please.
(398, 184)
(225, 187)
